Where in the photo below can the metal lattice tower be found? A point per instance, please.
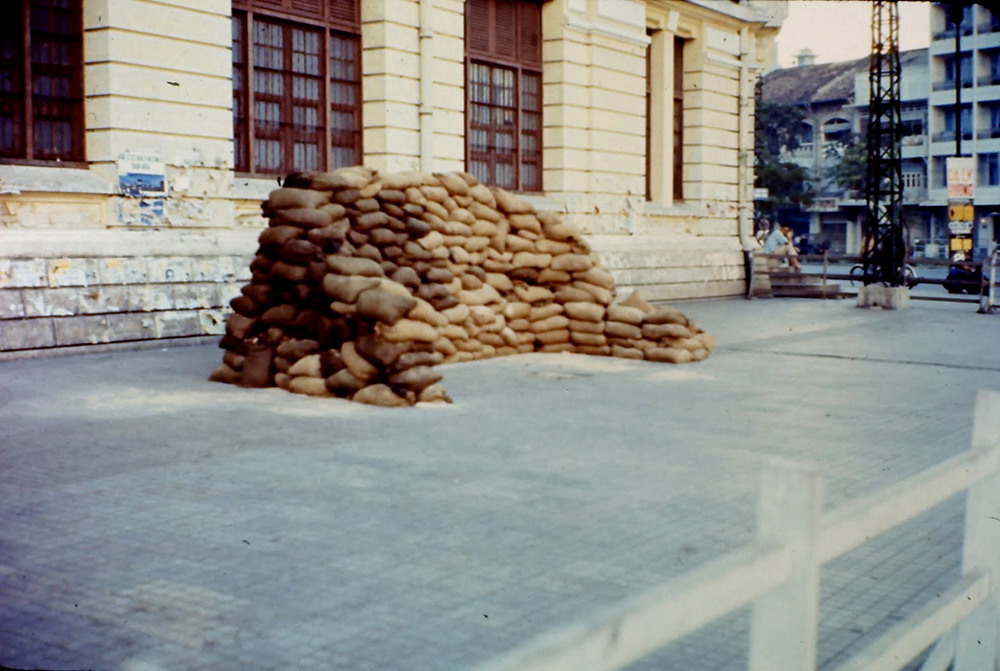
(884, 248)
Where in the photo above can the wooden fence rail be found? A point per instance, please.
(779, 574)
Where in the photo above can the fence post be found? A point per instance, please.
(978, 644)
(784, 623)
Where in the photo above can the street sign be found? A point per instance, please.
(960, 227)
(961, 177)
(760, 193)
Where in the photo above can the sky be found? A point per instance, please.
(840, 30)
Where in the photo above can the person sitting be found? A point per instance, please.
(780, 242)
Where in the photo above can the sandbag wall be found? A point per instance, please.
(363, 283)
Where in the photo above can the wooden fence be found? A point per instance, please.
(779, 574)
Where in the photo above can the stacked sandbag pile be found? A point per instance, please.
(362, 283)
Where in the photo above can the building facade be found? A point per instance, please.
(834, 98)
(137, 139)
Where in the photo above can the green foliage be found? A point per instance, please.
(851, 169)
(776, 131)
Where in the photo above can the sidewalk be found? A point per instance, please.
(154, 520)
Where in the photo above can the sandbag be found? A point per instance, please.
(381, 395)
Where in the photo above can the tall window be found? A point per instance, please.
(503, 66)
(296, 85)
(41, 80)
(989, 169)
(678, 113)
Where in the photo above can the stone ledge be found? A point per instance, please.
(58, 243)
(16, 179)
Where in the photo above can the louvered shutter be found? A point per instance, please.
(505, 28)
(530, 34)
(345, 12)
(478, 25)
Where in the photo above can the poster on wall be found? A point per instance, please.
(142, 182)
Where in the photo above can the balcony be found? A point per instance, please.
(988, 133)
(988, 27)
(949, 33)
(989, 80)
(914, 140)
(949, 136)
(949, 84)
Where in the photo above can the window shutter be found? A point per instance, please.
(530, 37)
(310, 8)
(477, 25)
(345, 12)
(505, 28)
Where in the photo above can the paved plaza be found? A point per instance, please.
(150, 519)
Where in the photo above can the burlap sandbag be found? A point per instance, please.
(669, 354)
(239, 326)
(552, 323)
(279, 315)
(572, 263)
(584, 311)
(544, 311)
(598, 276)
(554, 277)
(226, 375)
(627, 352)
(621, 330)
(666, 315)
(445, 347)
(384, 305)
(600, 350)
(557, 348)
(626, 314)
(636, 300)
(531, 260)
(246, 306)
(407, 329)
(354, 177)
(411, 359)
(307, 366)
(529, 294)
(415, 378)
(553, 337)
(304, 218)
(525, 222)
(590, 339)
(360, 367)
(286, 199)
(344, 382)
(377, 351)
(581, 326)
(435, 393)
(660, 331)
(311, 386)
(570, 294)
(553, 247)
(354, 266)
(600, 294)
(381, 395)
(276, 236)
(347, 288)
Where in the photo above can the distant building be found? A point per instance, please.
(834, 97)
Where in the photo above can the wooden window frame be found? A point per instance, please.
(523, 66)
(677, 113)
(330, 19)
(27, 72)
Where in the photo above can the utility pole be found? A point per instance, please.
(884, 249)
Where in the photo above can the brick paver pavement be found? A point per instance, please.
(153, 520)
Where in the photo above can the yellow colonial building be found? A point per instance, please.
(137, 138)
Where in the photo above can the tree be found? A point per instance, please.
(851, 168)
(776, 132)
